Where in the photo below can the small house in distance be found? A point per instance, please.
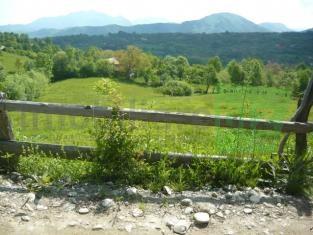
(113, 60)
(2, 48)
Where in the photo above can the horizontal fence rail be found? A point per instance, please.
(156, 116)
(88, 153)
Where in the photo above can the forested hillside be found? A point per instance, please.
(285, 48)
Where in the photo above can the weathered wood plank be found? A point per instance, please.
(301, 115)
(6, 132)
(156, 116)
(305, 105)
(87, 153)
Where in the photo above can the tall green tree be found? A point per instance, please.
(210, 78)
(216, 63)
(237, 75)
(133, 61)
(182, 66)
(253, 69)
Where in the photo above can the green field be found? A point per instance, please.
(260, 102)
(8, 61)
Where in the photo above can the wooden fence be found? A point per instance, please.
(8, 145)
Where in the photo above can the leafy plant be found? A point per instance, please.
(300, 174)
(177, 88)
(115, 139)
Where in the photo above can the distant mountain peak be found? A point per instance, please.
(92, 22)
(275, 27)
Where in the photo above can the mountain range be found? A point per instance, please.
(95, 23)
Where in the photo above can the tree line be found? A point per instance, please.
(174, 74)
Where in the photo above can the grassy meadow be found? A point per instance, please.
(259, 102)
(8, 60)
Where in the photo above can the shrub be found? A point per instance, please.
(27, 86)
(116, 140)
(300, 174)
(155, 81)
(177, 88)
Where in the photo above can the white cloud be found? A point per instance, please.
(293, 13)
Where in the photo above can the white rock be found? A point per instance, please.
(171, 221)
(186, 202)
(212, 211)
(268, 205)
(108, 203)
(28, 207)
(129, 227)
(137, 213)
(41, 207)
(168, 190)
(247, 210)
(220, 214)
(227, 212)
(202, 218)
(31, 197)
(131, 191)
(83, 210)
(181, 227)
(25, 218)
(255, 198)
(229, 232)
(188, 210)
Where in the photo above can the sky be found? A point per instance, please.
(296, 14)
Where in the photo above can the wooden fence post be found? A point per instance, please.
(306, 102)
(6, 132)
(301, 115)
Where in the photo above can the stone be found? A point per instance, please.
(227, 212)
(267, 190)
(255, 198)
(137, 213)
(247, 210)
(168, 190)
(108, 203)
(171, 221)
(83, 210)
(72, 194)
(129, 227)
(110, 183)
(212, 211)
(181, 227)
(202, 218)
(268, 205)
(31, 197)
(28, 207)
(188, 210)
(220, 214)
(72, 223)
(229, 232)
(228, 196)
(206, 207)
(41, 207)
(97, 227)
(131, 191)
(186, 202)
(214, 194)
(25, 218)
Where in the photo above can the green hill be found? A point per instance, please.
(284, 48)
(8, 60)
